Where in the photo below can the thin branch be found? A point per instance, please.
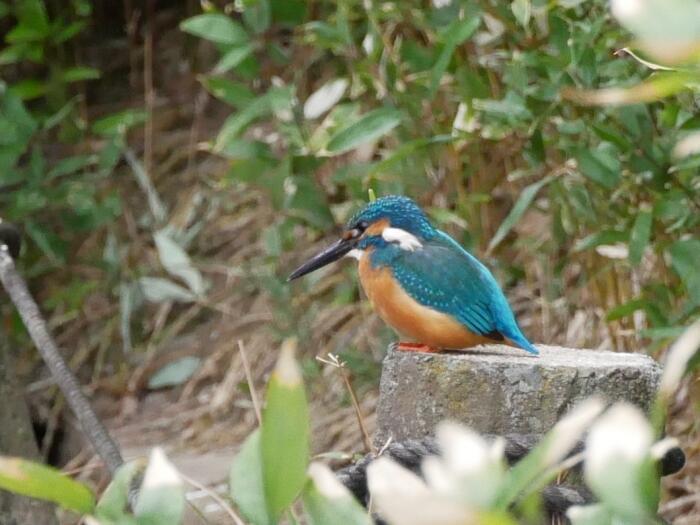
(251, 384)
(333, 361)
(36, 326)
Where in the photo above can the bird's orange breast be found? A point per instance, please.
(408, 317)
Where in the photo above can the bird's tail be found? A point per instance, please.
(521, 341)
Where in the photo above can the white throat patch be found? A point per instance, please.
(355, 253)
(407, 241)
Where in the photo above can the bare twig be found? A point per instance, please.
(333, 361)
(251, 384)
(36, 326)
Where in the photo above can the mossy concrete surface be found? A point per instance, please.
(502, 390)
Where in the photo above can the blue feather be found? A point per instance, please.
(441, 275)
(444, 276)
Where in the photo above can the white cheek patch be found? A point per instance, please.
(355, 253)
(407, 241)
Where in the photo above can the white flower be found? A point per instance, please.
(402, 498)
(326, 482)
(617, 452)
(160, 472)
(470, 469)
(465, 479)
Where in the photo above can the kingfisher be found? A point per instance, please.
(431, 291)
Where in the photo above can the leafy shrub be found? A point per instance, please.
(53, 196)
(478, 101)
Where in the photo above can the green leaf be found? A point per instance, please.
(29, 89)
(77, 74)
(665, 332)
(62, 113)
(685, 255)
(30, 27)
(639, 236)
(257, 15)
(159, 290)
(67, 32)
(307, 201)
(233, 93)
(32, 13)
(520, 207)
(46, 483)
(626, 309)
(289, 12)
(407, 149)
(458, 32)
(599, 238)
(18, 124)
(370, 127)
(246, 481)
(175, 373)
(119, 123)
(113, 504)
(522, 10)
(284, 435)
(328, 502)
(52, 246)
(215, 27)
(596, 165)
(71, 165)
(176, 261)
(237, 123)
(161, 500)
(233, 57)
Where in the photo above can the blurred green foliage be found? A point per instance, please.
(469, 482)
(50, 181)
(474, 101)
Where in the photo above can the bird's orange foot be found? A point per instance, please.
(417, 347)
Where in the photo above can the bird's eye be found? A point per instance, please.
(357, 230)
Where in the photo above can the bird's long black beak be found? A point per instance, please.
(334, 252)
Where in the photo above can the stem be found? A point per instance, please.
(16, 288)
(360, 420)
(251, 384)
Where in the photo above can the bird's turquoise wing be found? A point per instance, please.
(445, 277)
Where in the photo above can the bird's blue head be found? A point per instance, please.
(391, 219)
(392, 211)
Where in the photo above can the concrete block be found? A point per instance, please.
(497, 389)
